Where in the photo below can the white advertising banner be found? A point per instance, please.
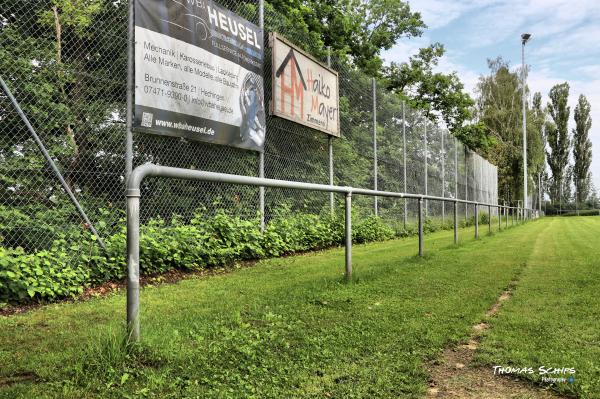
(198, 73)
(304, 90)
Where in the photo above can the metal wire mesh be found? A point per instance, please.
(70, 78)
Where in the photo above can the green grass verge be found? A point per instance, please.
(287, 327)
(553, 318)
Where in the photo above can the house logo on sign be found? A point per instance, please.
(296, 88)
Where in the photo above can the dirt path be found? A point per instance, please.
(455, 375)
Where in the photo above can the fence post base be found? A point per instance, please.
(455, 223)
(133, 265)
(348, 234)
(420, 226)
(499, 219)
(476, 221)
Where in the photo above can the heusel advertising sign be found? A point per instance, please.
(304, 90)
(198, 73)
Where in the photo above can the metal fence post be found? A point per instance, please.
(404, 161)
(455, 222)
(348, 235)
(466, 184)
(425, 159)
(476, 221)
(443, 178)
(420, 226)
(261, 190)
(330, 145)
(261, 155)
(129, 90)
(499, 218)
(489, 219)
(133, 264)
(374, 85)
(455, 167)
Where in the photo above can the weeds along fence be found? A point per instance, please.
(68, 70)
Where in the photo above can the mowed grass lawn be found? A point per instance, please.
(292, 327)
(553, 318)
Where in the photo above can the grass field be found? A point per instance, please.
(292, 327)
(553, 318)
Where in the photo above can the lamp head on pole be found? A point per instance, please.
(525, 38)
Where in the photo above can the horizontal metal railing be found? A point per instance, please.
(150, 170)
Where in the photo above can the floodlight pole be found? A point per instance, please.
(524, 38)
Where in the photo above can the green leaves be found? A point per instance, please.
(41, 275)
(207, 241)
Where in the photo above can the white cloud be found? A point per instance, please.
(544, 18)
(439, 13)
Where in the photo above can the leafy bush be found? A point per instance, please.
(584, 212)
(371, 229)
(45, 274)
(204, 241)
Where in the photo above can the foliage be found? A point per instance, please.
(207, 241)
(559, 142)
(582, 149)
(355, 28)
(45, 275)
(582, 212)
(434, 92)
(499, 109)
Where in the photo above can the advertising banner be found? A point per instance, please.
(198, 73)
(304, 90)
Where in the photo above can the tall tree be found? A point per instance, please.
(499, 109)
(439, 95)
(582, 149)
(559, 142)
(359, 28)
(536, 140)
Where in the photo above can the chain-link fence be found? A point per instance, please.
(68, 69)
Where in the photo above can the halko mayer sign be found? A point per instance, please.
(304, 90)
(198, 73)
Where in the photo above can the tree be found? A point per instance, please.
(437, 94)
(499, 109)
(582, 149)
(536, 144)
(559, 142)
(360, 29)
(536, 141)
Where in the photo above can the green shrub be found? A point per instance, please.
(583, 212)
(205, 241)
(45, 274)
(371, 229)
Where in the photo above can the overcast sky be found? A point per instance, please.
(565, 45)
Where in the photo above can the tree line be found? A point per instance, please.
(66, 62)
(557, 159)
